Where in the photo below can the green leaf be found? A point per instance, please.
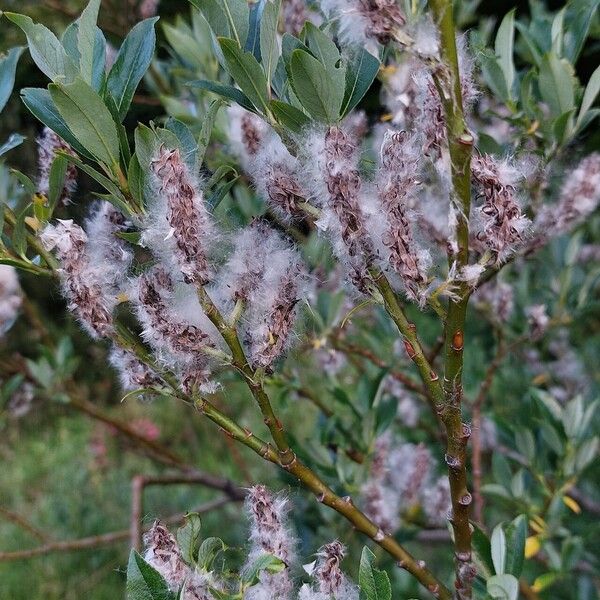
(269, 48)
(504, 48)
(501, 468)
(498, 549)
(88, 118)
(14, 140)
(374, 584)
(253, 40)
(246, 72)
(86, 39)
(556, 33)
(551, 405)
(215, 198)
(233, 15)
(99, 61)
(19, 236)
(27, 184)
(586, 453)
(8, 67)
(114, 193)
(493, 75)
(360, 74)
(226, 91)
(525, 442)
(563, 127)
(289, 43)
(265, 562)
(56, 179)
(577, 29)
(39, 103)
(207, 127)
(546, 580)
(556, 84)
(289, 116)
(186, 142)
(45, 49)
(530, 42)
(516, 534)
(313, 87)
(215, 15)
(146, 145)
(136, 180)
(503, 587)
(144, 582)
(482, 550)
(181, 39)
(132, 62)
(188, 538)
(209, 549)
(589, 96)
(322, 47)
(133, 237)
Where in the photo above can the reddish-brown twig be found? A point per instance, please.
(105, 539)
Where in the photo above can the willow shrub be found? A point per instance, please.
(381, 264)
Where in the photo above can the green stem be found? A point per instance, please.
(32, 240)
(460, 143)
(303, 474)
(411, 340)
(252, 378)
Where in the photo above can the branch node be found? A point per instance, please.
(465, 499)
(466, 139)
(453, 462)
(379, 535)
(409, 349)
(458, 341)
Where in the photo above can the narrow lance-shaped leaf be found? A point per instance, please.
(89, 119)
(215, 16)
(577, 29)
(207, 127)
(498, 547)
(86, 39)
(14, 140)
(8, 67)
(45, 49)
(246, 72)
(253, 39)
(589, 97)
(504, 48)
(360, 74)
(556, 84)
(39, 103)
(269, 46)
(289, 116)
(516, 534)
(226, 91)
(132, 62)
(236, 12)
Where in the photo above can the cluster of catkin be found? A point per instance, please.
(270, 533)
(261, 280)
(400, 220)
